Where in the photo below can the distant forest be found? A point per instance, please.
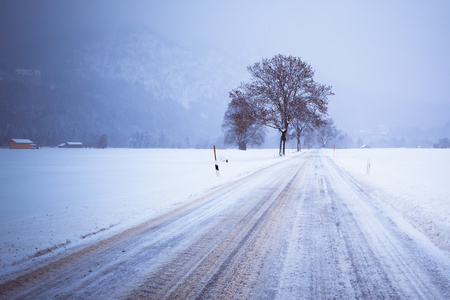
(83, 112)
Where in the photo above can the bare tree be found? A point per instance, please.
(239, 123)
(303, 123)
(309, 115)
(327, 132)
(279, 90)
(310, 137)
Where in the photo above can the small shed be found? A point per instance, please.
(71, 145)
(20, 144)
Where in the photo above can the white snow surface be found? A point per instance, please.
(52, 200)
(414, 182)
(55, 199)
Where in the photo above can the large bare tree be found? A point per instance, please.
(280, 90)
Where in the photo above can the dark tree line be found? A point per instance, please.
(443, 143)
(281, 94)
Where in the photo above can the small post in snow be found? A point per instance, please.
(215, 159)
(368, 167)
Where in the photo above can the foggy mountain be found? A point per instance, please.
(130, 84)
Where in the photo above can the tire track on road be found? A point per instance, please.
(343, 245)
(383, 257)
(202, 266)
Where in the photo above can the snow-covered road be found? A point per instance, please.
(299, 229)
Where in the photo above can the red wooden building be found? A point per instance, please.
(20, 144)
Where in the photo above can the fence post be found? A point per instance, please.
(215, 159)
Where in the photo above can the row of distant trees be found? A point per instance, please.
(144, 139)
(442, 143)
(281, 94)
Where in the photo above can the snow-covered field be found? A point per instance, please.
(54, 199)
(414, 182)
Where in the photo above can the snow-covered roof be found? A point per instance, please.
(74, 143)
(22, 141)
(71, 145)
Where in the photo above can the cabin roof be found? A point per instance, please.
(22, 141)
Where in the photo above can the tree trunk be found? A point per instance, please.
(283, 143)
(299, 145)
(242, 146)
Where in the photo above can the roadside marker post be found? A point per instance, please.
(215, 159)
(368, 167)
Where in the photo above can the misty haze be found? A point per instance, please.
(224, 149)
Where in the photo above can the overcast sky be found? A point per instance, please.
(388, 61)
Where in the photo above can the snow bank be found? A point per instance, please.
(414, 182)
(52, 199)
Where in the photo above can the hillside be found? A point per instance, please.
(124, 83)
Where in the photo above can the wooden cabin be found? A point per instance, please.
(20, 144)
(71, 145)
